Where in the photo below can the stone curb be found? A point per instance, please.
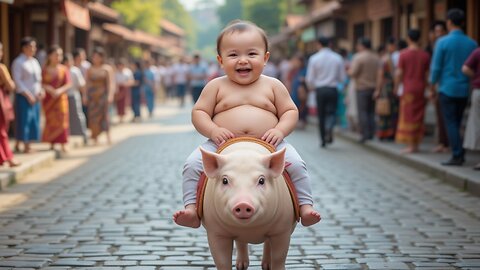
(456, 179)
(32, 162)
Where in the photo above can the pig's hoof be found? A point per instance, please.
(242, 265)
(265, 266)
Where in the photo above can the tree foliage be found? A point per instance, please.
(175, 12)
(268, 14)
(140, 14)
(230, 10)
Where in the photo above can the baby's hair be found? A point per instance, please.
(241, 26)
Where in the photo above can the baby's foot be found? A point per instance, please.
(187, 218)
(308, 215)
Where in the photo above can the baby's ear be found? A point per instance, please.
(220, 60)
(266, 57)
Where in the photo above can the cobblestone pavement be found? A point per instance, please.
(115, 212)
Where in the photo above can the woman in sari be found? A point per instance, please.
(412, 71)
(100, 90)
(6, 113)
(387, 124)
(56, 82)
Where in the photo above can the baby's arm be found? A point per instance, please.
(287, 114)
(203, 111)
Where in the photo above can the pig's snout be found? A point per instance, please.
(243, 210)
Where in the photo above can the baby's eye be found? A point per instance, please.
(253, 54)
(232, 55)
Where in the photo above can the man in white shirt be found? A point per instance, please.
(325, 71)
(180, 79)
(27, 75)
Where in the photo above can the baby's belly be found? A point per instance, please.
(246, 121)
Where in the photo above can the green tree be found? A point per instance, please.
(140, 14)
(175, 12)
(230, 10)
(267, 14)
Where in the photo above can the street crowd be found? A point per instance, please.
(383, 93)
(76, 95)
(379, 93)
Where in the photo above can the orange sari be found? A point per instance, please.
(56, 108)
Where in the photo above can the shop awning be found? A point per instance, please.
(77, 15)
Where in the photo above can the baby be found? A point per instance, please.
(244, 103)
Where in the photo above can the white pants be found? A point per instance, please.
(472, 131)
(297, 170)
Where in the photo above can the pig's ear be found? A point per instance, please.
(275, 162)
(211, 162)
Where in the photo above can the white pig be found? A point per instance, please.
(247, 201)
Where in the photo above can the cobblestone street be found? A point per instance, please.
(114, 212)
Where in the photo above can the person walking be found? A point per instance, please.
(7, 85)
(180, 79)
(412, 73)
(298, 87)
(197, 76)
(100, 90)
(124, 79)
(27, 74)
(471, 68)
(325, 71)
(449, 54)
(136, 91)
(438, 30)
(363, 70)
(149, 86)
(56, 82)
(77, 119)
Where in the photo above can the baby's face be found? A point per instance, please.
(243, 56)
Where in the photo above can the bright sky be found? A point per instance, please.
(190, 4)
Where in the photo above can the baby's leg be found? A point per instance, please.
(191, 174)
(297, 170)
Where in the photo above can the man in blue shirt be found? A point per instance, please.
(449, 54)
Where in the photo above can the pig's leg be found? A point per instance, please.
(267, 255)
(279, 245)
(221, 248)
(242, 255)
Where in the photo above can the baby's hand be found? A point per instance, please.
(273, 136)
(220, 135)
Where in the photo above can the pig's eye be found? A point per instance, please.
(225, 181)
(261, 180)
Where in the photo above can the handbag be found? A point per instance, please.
(382, 106)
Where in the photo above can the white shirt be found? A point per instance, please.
(77, 80)
(27, 74)
(168, 76)
(123, 76)
(180, 71)
(325, 69)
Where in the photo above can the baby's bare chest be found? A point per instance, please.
(229, 98)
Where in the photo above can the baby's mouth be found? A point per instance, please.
(244, 70)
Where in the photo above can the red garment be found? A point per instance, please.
(56, 108)
(473, 62)
(414, 64)
(6, 115)
(122, 98)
